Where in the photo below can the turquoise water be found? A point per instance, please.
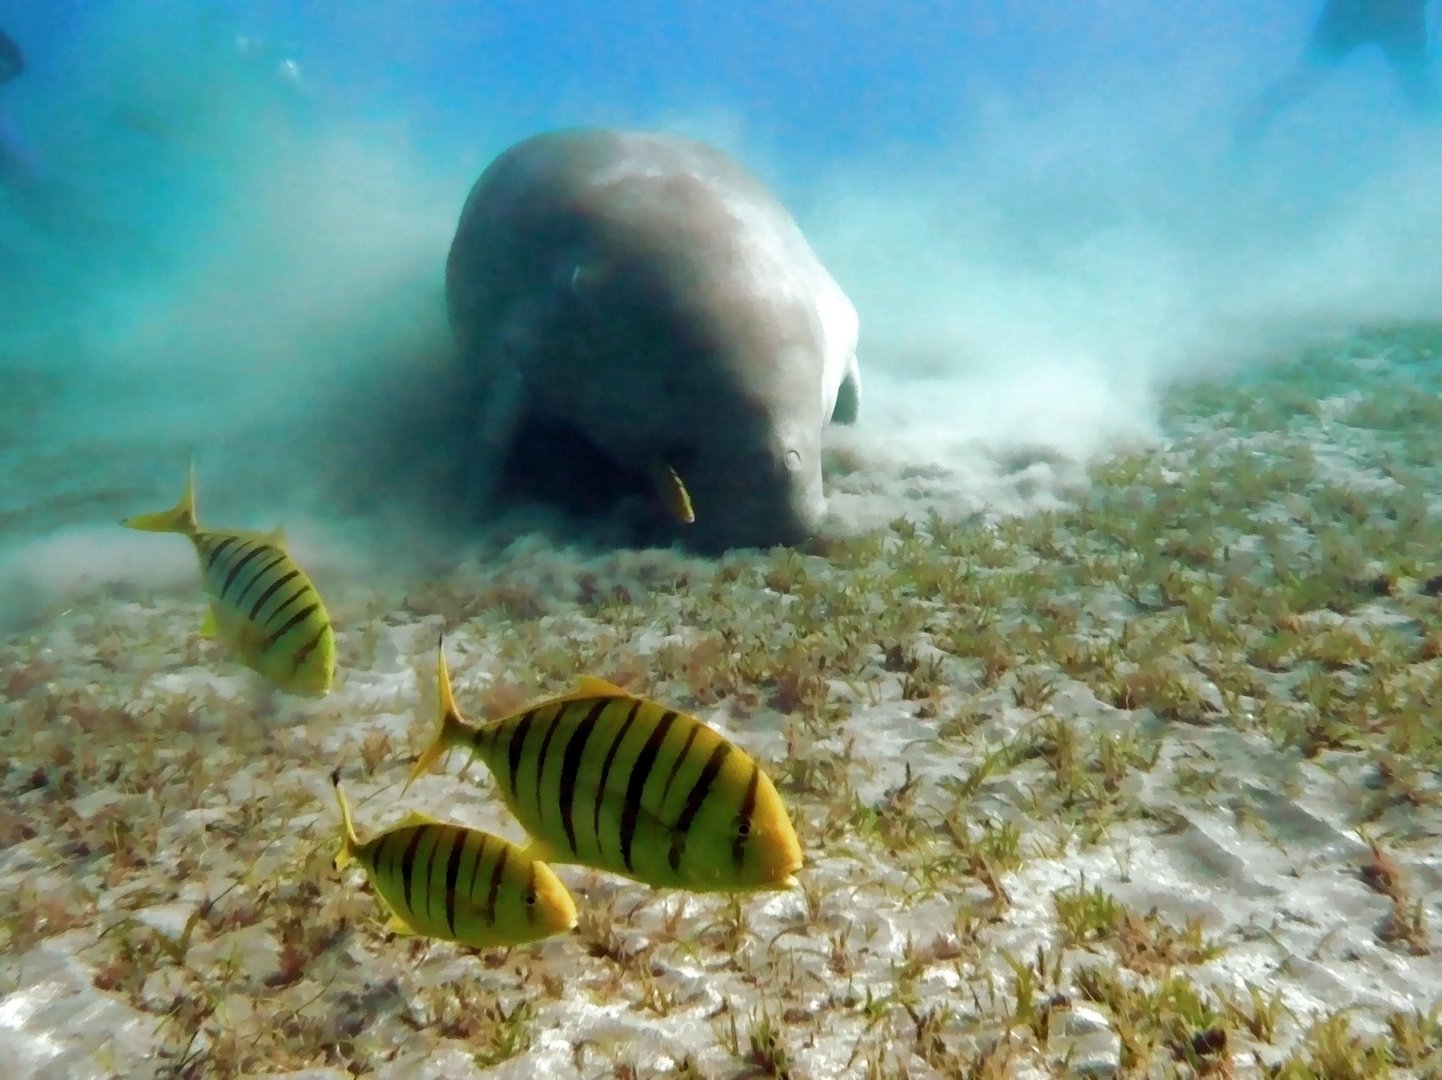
(245, 208)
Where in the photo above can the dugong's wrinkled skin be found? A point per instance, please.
(646, 302)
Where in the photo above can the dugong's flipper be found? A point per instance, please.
(848, 397)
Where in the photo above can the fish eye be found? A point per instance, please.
(743, 829)
(531, 898)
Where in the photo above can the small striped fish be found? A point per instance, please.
(261, 603)
(601, 778)
(445, 881)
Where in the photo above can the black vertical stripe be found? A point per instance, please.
(495, 888)
(428, 879)
(231, 555)
(300, 590)
(571, 759)
(680, 758)
(240, 564)
(305, 650)
(384, 856)
(408, 865)
(541, 757)
(697, 796)
(270, 591)
(372, 855)
(636, 784)
(267, 568)
(745, 817)
(606, 769)
(518, 744)
(217, 549)
(291, 623)
(453, 873)
(479, 843)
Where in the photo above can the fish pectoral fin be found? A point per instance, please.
(595, 686)
(615, 796)
(208, 626)
(673, 493)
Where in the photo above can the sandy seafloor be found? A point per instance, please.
(1140, 780)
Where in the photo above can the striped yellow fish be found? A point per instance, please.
(446, 881)
(601, 778)
(261, 603)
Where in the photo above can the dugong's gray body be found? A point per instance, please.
(648, 294)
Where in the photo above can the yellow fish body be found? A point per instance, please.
(602, 778)
(445, 881)
(262, 605)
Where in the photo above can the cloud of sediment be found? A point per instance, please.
(1040, 230)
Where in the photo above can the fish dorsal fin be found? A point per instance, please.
(585, 686)
(595, 686)
(259, 536)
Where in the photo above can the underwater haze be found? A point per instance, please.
(1125, 600)
(1037, 210)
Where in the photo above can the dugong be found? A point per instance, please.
(642, 311)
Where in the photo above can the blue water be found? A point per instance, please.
(827, 79)
(1001, 187)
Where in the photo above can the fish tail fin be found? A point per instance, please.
(450, 729)
(349, 842)
(180, 518)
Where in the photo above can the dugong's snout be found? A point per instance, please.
(803, 493)
(756, 499)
